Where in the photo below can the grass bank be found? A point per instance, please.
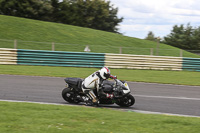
(30, 33)
(36, 118)
(153, 76)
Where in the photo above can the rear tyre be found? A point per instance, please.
(127, 101)
(68, 95)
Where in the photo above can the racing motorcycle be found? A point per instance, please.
(73, 93)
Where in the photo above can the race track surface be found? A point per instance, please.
(164, 98)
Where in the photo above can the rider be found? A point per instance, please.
(94, 81)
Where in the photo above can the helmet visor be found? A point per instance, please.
(106, 75)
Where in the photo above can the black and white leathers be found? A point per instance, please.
(90, 83)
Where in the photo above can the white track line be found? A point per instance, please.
(167, 97)
(137, 111)
(18, 101)
(169, 114)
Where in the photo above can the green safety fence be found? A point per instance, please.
(191, 64)
(84, 59)
(59, 58)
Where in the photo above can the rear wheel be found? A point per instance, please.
(69, 96)
(127, 101)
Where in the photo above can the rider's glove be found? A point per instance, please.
(113, 77)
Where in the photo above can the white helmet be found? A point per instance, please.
(104, 73)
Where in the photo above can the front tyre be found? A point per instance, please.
(126, 101)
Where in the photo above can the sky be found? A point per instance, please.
(158, 16)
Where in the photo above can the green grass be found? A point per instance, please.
(153, 76)
(37, 118)
(29, 32)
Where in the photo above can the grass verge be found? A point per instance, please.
(30, 33)
(153, 76)
(36, 118)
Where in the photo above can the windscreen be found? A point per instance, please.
(121, 85)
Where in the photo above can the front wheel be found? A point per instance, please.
(127, 101)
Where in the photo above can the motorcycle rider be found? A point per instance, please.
(94, 81)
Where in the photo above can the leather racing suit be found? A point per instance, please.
(93, 82)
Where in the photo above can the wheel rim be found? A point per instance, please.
(69, 97)
(127, 101)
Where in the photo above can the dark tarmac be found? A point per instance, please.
(163, 98)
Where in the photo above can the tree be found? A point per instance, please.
(55, 10)
(96, 14)
(150, 36)
(34, 9)
(195, 39)
(183, 37)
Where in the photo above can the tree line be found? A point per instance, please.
(184, 37)
(96, 14)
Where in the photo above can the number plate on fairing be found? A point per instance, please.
(126, 84)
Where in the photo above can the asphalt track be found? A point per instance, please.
(150, 97)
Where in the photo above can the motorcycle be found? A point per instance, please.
(73, 93)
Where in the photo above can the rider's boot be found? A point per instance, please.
(92, 99)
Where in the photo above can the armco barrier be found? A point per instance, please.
(143, 62)
(8, 56)
(58, 58)
(191, 64)
(82, 59)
